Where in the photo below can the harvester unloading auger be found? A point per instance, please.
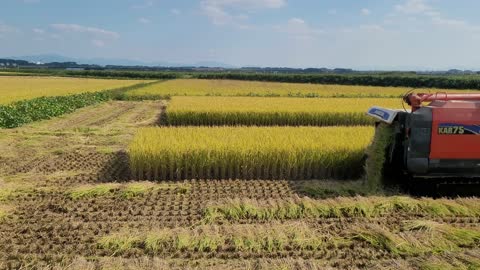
(439, 141)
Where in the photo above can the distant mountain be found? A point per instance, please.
(43, 58)
(212, 64)
(49, 58)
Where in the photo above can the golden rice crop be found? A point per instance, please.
(197, 87)
(15, 88)
(248, 152)
(262, 111)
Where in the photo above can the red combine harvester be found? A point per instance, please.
(440, 140)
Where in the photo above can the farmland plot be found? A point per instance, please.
(249, 153)
(197, 87)
(68, 199)
(261, 111)
(22, 88)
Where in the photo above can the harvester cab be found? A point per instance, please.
(438, 138)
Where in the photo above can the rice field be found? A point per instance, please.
(248, 152)
(14, 88)
(224, 197)
(197, 87)
(261, 111)
(228, 188)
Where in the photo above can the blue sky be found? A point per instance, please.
(362, 34)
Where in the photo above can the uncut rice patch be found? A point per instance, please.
(249, 152)
(267, 111)
(200, 87)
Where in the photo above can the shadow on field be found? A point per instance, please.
(162, 117)
(323, 189)
(116, 169)
(440, 188)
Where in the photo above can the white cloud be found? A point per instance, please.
(245, 4)
(298, 28)
(56, 36)
(332, 11)
(432, 13)
(75, 28)
(220, 12)
(217, 15)
(144, 20)
(420, 7)
(38, 31)
(413, 7)
(372, 28)
(449, 22)
(145, 4)
(175, 11)
(98, 43)
(6, 28)
(365, 11)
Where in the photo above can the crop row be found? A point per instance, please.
(248, 152)
(211, 111)
(416, 237)
(342, 207)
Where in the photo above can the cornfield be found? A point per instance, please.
(197, 87)
(14, 88)
(248, 152)
(260, 111)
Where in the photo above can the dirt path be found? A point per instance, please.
(49, 169)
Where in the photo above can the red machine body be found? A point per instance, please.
(462, 139)
(443, 137)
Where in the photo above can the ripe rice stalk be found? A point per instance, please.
(178, 153)
(212, 238)
(261, 111)
(418, 237)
